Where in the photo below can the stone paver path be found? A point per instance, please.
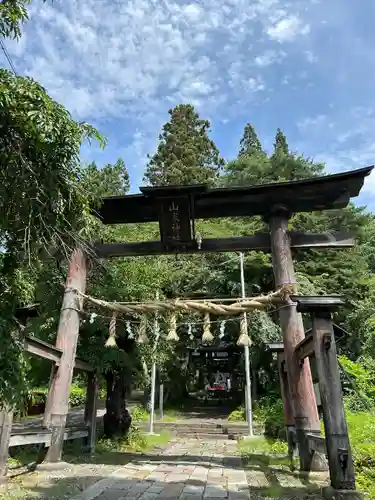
(191, 469)
(188, 469)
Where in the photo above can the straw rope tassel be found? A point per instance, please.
(142, 331)
(172, 329)
(111, 341)
(207, 336)
(244, 338)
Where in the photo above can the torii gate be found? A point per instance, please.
(176, 208)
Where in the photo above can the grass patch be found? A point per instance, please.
(362, 439)
(107, 451)
(361, 426)
(263, 451)
(171, 415)
(140, 414)
(237, 415)
(117, 452)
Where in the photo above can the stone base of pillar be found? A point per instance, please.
(331, 493)
(310, 461)
(291, 439)
(51, 466)
(4, 483)
(57, 427)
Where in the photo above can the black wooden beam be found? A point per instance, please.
(38, 347)
(81, 365)
(307, 195)
(305, 348)
(310, 304)
(275, 347)
(258, 241)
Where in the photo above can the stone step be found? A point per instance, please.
(205, 425)
(203, 429)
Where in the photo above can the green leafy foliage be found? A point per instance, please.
(38, 396)
(185, 154)
(77, 396)
(269, 412)
(139, 414)
(42, 205)
(13, 13)
(358, 383)
(110, 180)
(253, 166)
(40, 146)
(237, 415)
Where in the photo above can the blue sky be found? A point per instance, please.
(306, 66)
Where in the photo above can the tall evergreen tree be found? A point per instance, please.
(280, 145)
(288, 166)
(111, 180)
(254, 166)
(249, 143)
(185, 154)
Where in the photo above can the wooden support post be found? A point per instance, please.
(67, 337)
(287, 406)
(340, 460)
(6, 420)
(90, 410)
(299, 374)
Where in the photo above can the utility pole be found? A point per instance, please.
(248, 405)
(153, 371)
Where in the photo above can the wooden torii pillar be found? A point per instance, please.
(57, 404)
(299, 375)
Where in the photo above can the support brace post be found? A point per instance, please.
(290, 427)
(90, 410)
(339, 453)
(6, 420)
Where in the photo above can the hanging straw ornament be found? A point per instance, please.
(172, 329)
(129, 330)
(207, 336)
(142, 331)
(190, 332)
(244, 338)
(92, 317)
(111, 341)
(222, 329)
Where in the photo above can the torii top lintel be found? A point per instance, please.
(319, 193)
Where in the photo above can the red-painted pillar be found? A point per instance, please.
(299, 375)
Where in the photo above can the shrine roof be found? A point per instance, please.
(319, 193)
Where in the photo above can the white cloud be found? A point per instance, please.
(344, 140)
(193, 11)
(313, 121)
(310, 56)
(112, 57)
(269, 57)
(123, 64)
(287, 29)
